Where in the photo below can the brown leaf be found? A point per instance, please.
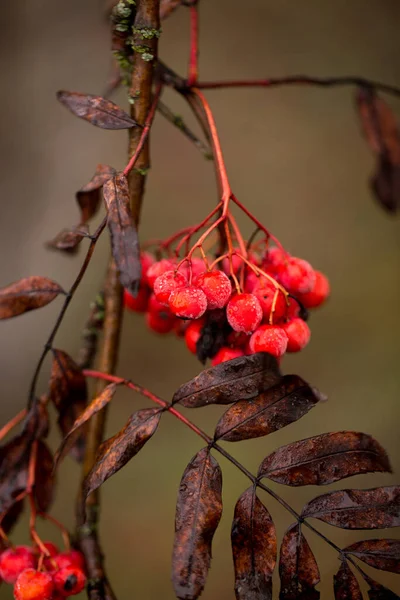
(282, 404)
(94, 407)
(298, 569)
(386, 184)
(381, 554)
(345, 584)
(114, 453)
(376, 508)
(124, 238)
(238, 379)
(379, 592)
(325, 458)
(198, 513)
(44, 478)
(27, 294)
(68, 240)
(254, 548)
(97, 110)
(379, 124)
(14, 461)
(68, 392)
(89, 196)
(10, 519)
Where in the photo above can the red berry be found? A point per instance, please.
(319, 292)
(166, 283)
(236, 264)
(296, 275)
(293, 310)
(74, 558)
(274, 258)
(157, 269)
(138, 303)
(146, 260)
(251, 281)
(237, 339)
(188, 303)
(216, 286)
(244, 312)
(33, 585)
(298, 333)
(161, 322)
(271, 297)
(269, 338)
(69, 581)
(225, 354)
(50, 547)
(14, 561)
(197, 266)
(192, 335)
(77, 559)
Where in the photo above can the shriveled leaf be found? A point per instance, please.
(381, 554)
(10, 519)
(27, 294)
(282, 404)
(44, 478)
(36, 424)
(345, 584)
(14, 461)
(114, 453)
(254, 548)
(238, 379)
(89, 196)
(68, 392)
(124, 238)
(386, 184)
(97, 110)
(379, 592)
(68, 240)
(376, 508)
(94, 407)
(298, 569)
(325, 458)
(198, 513)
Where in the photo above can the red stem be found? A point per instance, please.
(145, 132)
(193, 71)
(13, 423)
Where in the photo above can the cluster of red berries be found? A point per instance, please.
(35, 577)
(222, 319)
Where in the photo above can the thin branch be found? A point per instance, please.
(301, 80)
(180, 124)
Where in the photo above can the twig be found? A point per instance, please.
(180, 124)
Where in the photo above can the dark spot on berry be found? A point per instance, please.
(70, 583)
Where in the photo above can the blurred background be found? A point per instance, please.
(296, 159)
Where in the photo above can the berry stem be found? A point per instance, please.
(196, 228)
(63, 530)
(194, 46)
(13, 423)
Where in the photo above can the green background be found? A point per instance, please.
(295, 157)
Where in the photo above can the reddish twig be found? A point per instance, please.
(193, 70)
(13, 423)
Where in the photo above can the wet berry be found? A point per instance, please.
(236, 264)
(270, 297)
(138, 303)
(319, 292)
(298, 333)
(225, 354)
(146, 260)
(157, 269)
(14, 561)
(69, 581)
(33, 585)
(188, 303)
(196, 267)
(162, 322)
(216, 286)
(166, 283)
(296, 275)
(192, 335)
(269, 338)
(244, 312)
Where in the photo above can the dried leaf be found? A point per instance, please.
(68, 392)
(97, 110)
(14, 462)
(345, 584)
(381, 554)
(10, 519)
(386, 185)
(380, 592)
(282, 404)
(124, 238)
(254, 548)
(44, 478)
(114, 453)
(27, 294)
(198, 513)
(89, 196)
(68, 240)
(94, 407)
(238, 379)
(376, 508)
(298, 569)
(325, 458)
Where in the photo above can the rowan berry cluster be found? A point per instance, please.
(239, 305)
(39, 576)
